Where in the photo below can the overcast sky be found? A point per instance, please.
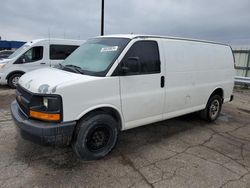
(218, 20)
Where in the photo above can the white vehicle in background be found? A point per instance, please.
(119, 82)
(6, 53)
(34, 55)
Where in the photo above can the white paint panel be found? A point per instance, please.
(142, 97)
(79, 96)
(193, 71)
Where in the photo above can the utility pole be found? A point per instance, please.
(102, 19)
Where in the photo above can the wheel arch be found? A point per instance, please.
(217, 91)
(14, 72)
(109, 109)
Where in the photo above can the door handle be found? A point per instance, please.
(42, 63)
(162, 81)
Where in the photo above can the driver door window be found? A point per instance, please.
(32, 55)
(146, 54)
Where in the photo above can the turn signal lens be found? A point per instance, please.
(2, 65)
(44, 116)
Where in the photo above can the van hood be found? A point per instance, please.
(46, 80)
(3, 61)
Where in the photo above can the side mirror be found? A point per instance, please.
(20, 60)
(131, 66)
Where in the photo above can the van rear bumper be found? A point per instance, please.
(42, 133)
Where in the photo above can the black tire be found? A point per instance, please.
(213, 108)
(13, 79)
(95, 136)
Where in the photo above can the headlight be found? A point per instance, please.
(47, 108)
(2, 65)
(46, 102)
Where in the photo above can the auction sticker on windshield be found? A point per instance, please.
(109, 49)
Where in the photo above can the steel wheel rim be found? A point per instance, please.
(214, 109)
(15, 80)
(98, 138)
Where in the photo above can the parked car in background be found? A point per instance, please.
(5, 53)
(34, 55)
(119, 82)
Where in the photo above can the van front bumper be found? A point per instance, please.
(3, 80)
(43, 133)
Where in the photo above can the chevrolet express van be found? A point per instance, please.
(115, 83)
(33, 55)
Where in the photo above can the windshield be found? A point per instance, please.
(96, 56)
(18, 51)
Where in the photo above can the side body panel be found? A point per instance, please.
(80, 97)
(193, 71)
(142, 96)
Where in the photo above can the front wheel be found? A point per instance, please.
(213, 108)
(95, 137)
(13, 80)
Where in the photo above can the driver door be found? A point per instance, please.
(32, 59)
(141, 86)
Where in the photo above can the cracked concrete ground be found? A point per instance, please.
(181, 152)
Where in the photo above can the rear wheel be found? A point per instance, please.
(13, 80)
(213, 108)
(95, 136)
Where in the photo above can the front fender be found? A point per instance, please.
(94, 108)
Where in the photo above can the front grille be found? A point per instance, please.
(23, 98)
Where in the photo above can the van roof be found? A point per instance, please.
(241, 47)
(69, 41)
(134, 36)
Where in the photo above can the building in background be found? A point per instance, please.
(10, 45)
(242, 60)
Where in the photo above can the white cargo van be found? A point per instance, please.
(119, 82)
(33, 55)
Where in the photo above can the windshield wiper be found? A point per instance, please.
(70, 68)
(74, 68)
(59, 66)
